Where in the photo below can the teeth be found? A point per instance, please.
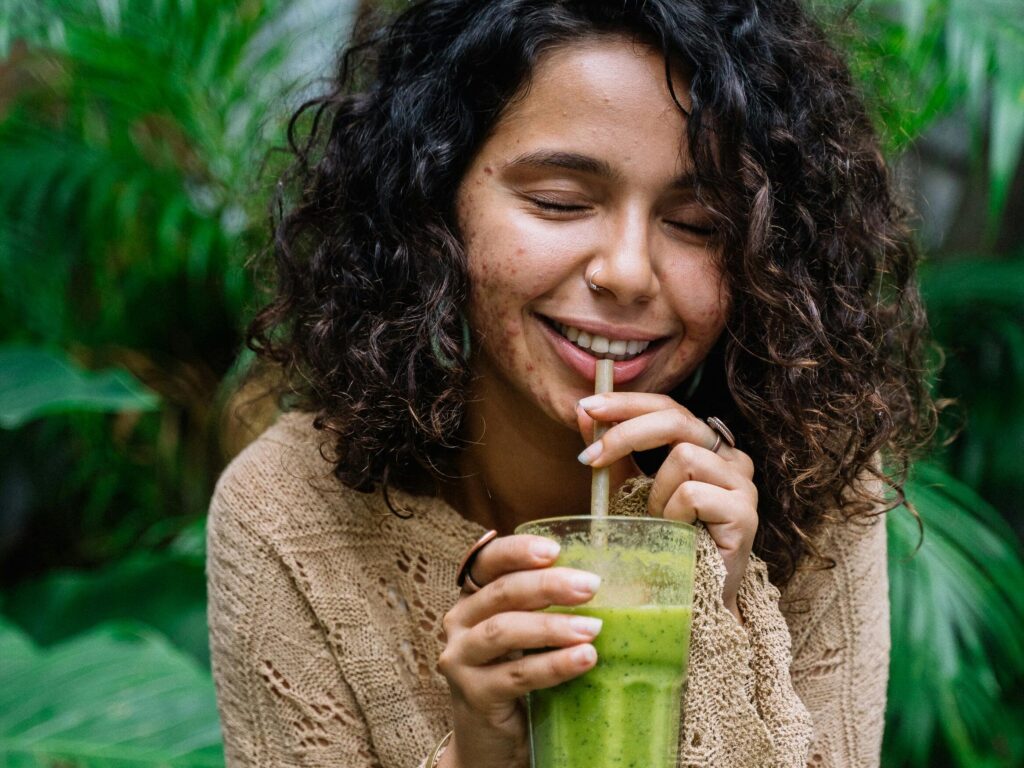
(619, 349)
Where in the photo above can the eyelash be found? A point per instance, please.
(547, 205)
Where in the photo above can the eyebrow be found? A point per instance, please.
(574, 161)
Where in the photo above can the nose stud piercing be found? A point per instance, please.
(590, 281)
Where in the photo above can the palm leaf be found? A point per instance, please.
(166, 592)
(976, 309)
(957, 609)
(37, 382)
(112, 697)
(921, 59)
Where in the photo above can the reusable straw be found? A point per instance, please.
(600, 484)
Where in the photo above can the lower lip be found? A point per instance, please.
(585, 364)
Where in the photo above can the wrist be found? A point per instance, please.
(473, 752)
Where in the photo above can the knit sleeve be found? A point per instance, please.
(839, 624)
(282, 698)
(740, 708)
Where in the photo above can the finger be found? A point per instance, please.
(515, 678)
(649, 430)
(687, 461)
(511, 631)
(528, 591)
(729, 516)
(620, 471)
(620, 406)
(506, 554)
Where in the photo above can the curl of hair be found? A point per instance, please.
(821, 368)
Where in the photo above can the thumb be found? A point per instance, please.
(586, 425)
(622, 469)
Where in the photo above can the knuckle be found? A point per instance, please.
(445, 663)
(448, 624)
(678, 421)
(553, 625)
(551, 584)
(746, 463)
(500, 590)
(687, 491)
(518, 673)
(560, 665)
(493, 631)
(685, 453)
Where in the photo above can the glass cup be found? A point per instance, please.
(625, 710)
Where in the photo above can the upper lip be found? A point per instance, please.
(611, 331)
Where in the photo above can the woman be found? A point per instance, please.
(495, 195)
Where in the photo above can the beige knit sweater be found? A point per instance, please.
(325, 625)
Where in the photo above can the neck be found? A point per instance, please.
(520, 466)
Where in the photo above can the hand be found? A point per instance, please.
(692, 484)
(486, 634)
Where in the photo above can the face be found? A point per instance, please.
(585, 177)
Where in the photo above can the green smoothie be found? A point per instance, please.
(623, 713)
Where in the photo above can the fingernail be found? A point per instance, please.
(545, 550)
(585, 582)
(585, 625)
(592, 402)
(584, 654)
(590, 454)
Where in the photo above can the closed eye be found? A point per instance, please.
(548, 205)
(692, 228)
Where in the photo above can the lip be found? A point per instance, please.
(608, 330)
(585, 364)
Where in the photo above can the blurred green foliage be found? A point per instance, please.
(116, 695)
(919, 60)
(134, 138)
(957, 608)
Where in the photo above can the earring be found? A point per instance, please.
(590, 281)
(446, 362)
(694, 382)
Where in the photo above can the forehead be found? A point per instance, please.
(607, 95)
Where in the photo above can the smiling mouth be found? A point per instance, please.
(601, 347)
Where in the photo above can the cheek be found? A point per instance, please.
(506, 252)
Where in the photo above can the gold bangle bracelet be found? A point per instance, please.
(432, 762)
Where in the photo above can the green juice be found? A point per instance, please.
(623, 713)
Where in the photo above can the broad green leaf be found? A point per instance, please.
(923, 59)
(166, 592)
(957, 609)
(952, 285)
(1007, 129)
(36, 382)
(116, 697)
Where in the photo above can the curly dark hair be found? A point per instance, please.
(821, 367)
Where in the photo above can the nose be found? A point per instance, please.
(623, 269)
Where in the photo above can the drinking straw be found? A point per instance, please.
(600, 484)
